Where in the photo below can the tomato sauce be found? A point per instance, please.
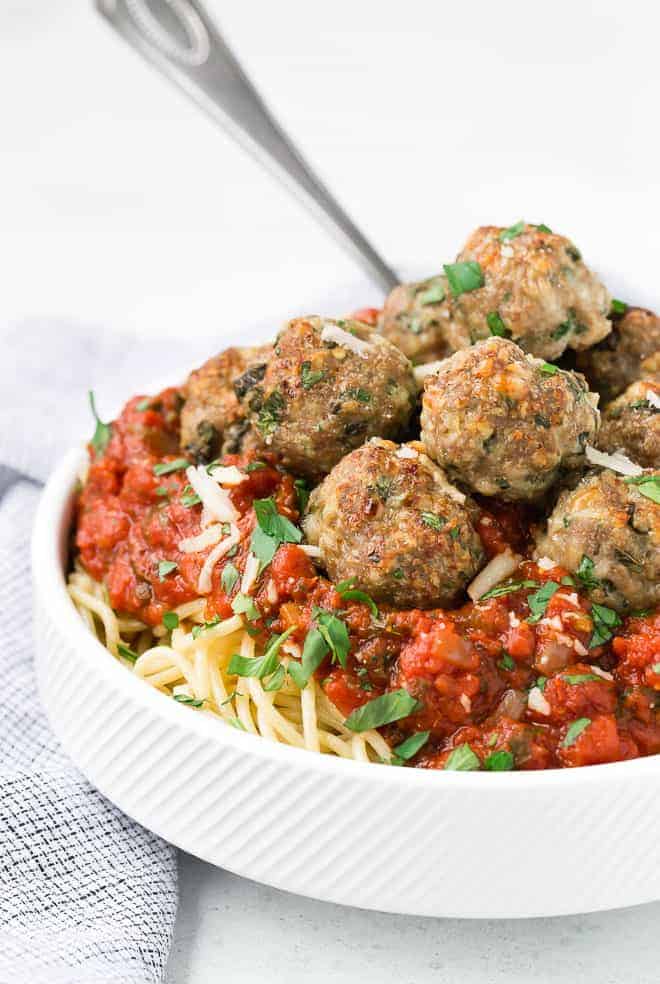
(519, 680)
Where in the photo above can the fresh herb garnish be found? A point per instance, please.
(382, 710)
(432, 295)
(576, 678)
(463, 759)
(656, 668)
(464, 277)
(585, 573)
(434, 521)
(166, 467)
(347, 590)
(143, 405)
(538, 602)
(548, 368)
(335, 633)
(190, 499)
(496, 325)
(253, 466)
(501, 761)
(189, 701)
(604, 619)
(237, 723)
(310, 378)
(166, 567)
(271, 413)
(512, 231)
(127, 652)
(505, 589)
(229, 577)
(574, 731)
(198, 629)
(171, 620)
(358, 393)
(102, 433)
(506, 663)
(618, 307)
(244, 605)
(162, 491)
(405, 751)
(300, 485)
(260, 666)
(315, 649)
(543, 228)
(272, 529)
(647, 485)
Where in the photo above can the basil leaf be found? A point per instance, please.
(229, 578)
(434, 521)
(166, 467)
(548, 368)
(335, 633)
(382, 710)
(276, 680)
(505, 589)
(432, 295)
(300, 485)
(463, 759)
(127, 652)
(501, 761)
(271, 413)
(541, 682)
(275, 525)
(650, 488)
(190, 701)
(315, 650)
(310, 378)
(244, 605)
(496, 325)
(512, 231)
(260, 666)
(347, 591)
(618, 307)
(538, 602)
(543, 228)
(103, 432)
(506, 663)
(585, 573)
(253, 466)
(166, 567)
(576, 678)
(263, 547)
(574, 731)
(409, 747)
(171, 620)
(464, 277)
(190, 500)
(604, 619)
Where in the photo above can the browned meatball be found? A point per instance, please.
(415, 318)
(386, 516)
(612, 523)
(527, 284)
(505, 423)
(630, 352)
(632, 424)
(329, 386)
(214, 418)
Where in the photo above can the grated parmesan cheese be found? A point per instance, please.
(310, 549)
(537, 702)
(406, 452)
(333, 333)
(545, 563)
(601, 673)
(465, 702)
(579, 648)
(496, 570)
(653, 399)
(206, 538)
(204, 580)
(616, 462)
(216, 502)
(227, 475)
(250, 573)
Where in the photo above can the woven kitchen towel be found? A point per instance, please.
(86, 895)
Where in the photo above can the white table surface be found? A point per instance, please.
(124, 208)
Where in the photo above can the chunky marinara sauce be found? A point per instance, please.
(529, 678)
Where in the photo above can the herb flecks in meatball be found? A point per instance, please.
(213, 418)
(631, 352)
(504, 423)
(415, 318)
(330, 386)
(632, 424)
(386, 516)
(535, 290)
(614, 523)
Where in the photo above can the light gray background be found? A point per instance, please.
(123, 208)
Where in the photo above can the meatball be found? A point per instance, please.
(628, 353)
(386, 516)
(415, 318)
(534, 289)
(213, 418)
(329, 387)
(504, 423)
(632, 423)
(612, 523)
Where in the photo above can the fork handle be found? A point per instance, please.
(179, 38)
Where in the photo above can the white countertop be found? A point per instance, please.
(124, 208)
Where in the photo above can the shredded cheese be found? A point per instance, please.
(537, 702)
(406, 452)
(428, 369)
(616, 462)
(653, 399)
(204, 580)
(227, 475)
(501, 566)
(333, 333)
(250, 573)
(310, 550)
(206, 538)
(216, 502)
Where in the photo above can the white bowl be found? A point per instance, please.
(395, 839)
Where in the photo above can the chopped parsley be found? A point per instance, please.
(506, 663)
(574, 731)
(302, 492)
(464, 277)
(585, 573)
(143, 405)
(496, 325)
(102, 433)
(166, 567)
(335, 635)
(315, 649)
(253, 466)
(398, 573)
(270, 414)
(409, 747)
(604, 619)
(260, 666)
(544, 228)
(271, 530)
(244, 605)
(538, 602)
(548, 368)
(309, 377)
(171, 620)
(505, 589)
(577, 678)
(127, 652)
(501, 761)
(512, 231)
(347, 590)
(433, 520)
(189, 701)
(541, 682)
(463, 759)
(432, 295)
(618, 307)
(228, 578)
(167, 467)
(198, 629)
(357, 393)
(190, 499)
(382, 710)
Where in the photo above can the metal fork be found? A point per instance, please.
(179, 38)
